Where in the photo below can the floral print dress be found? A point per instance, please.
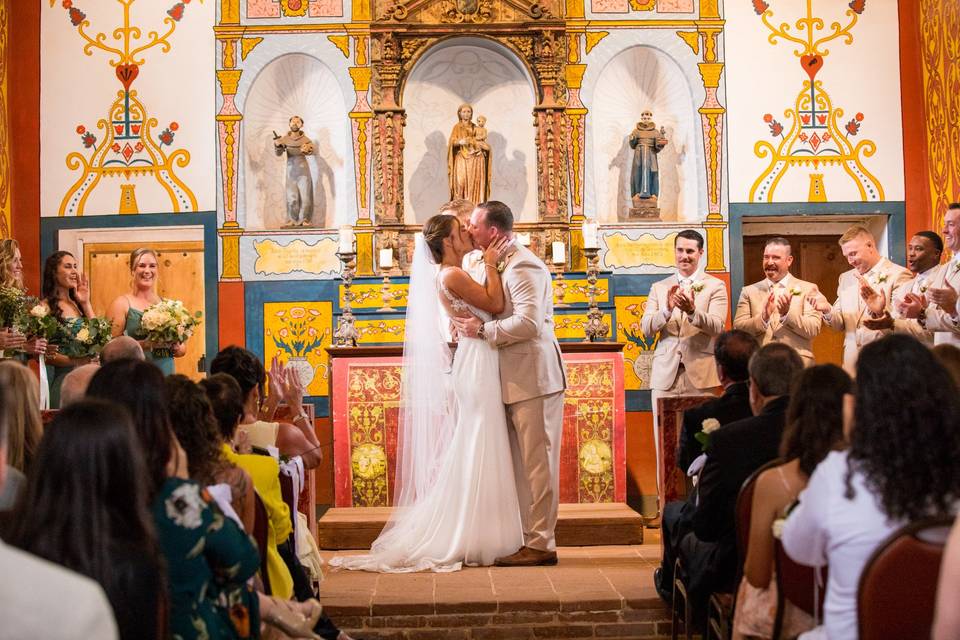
(209, 560)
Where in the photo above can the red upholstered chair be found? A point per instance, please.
(797, 584)
(898, 586)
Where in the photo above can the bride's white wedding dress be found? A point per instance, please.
(469, 514)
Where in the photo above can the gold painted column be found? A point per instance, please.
(711, 117)
(550, 122)
(6, 225)
(576, 117)
(228, 130)
(360, 123)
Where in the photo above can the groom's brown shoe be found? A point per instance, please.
(528, 557)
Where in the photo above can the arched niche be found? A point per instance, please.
(490, 77)
(295, 84)
(635, 79)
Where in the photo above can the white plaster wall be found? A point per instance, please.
(627, 72)
(176, 86)
(860, 77)
(295, 84)
(490, 78)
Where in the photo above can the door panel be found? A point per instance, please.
(181, 278)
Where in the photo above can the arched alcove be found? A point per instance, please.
(490, 77)
(295, 84)
(635, 79)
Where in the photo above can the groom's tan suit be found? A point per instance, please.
(797, 329)
(532, 380)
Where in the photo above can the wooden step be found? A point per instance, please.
(579, 525)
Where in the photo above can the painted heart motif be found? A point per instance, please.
(805, 118)
(811, 64)
(127, 73)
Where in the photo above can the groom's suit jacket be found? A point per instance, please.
(530, 361)
(797, 329)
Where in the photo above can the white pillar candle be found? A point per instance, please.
(523, 239)
(386, 258)
(559, 253)
(346, 240)
(591, 235)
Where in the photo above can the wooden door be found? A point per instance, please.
(181, 278)
(816, 259)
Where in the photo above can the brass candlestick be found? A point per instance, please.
(346, 333)
(596, 329)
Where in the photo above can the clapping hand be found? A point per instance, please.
(293, 389)
(275, 379)
(684, 301)
(816, 300)
(672, 297)
(783, 304)
(769, 306)
(876, 301)
(945, 298)
(878, 324)
(912, 305)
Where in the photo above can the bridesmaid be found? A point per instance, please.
(67, 294)
(11, 276)
(127, 310)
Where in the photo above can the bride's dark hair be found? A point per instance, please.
(435, 231)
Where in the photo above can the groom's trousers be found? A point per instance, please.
(536, 427)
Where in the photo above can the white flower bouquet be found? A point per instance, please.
(167, 323)
(35, 320)
(83, 337)
(707, 427)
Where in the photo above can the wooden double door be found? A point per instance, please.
(817, 259)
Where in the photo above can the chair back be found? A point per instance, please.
(290, 497)
(898, 586)
(744, 508)
(261, 532)
(797, 584)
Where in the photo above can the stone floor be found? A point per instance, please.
(593, 592)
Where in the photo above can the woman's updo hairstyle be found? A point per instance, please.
(435, 231)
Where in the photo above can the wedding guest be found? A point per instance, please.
(85, 509)
(75, 384)
(814, 428)
(709, 552)
(185, 517)
(865, 290)
(901, 466)
(196, 429)
(935, 309)
(923, 260)
(946, 620)
(83, 611)
(949, 357)
(21, 414)
(120, 348)
(67, 293)
(731, 353)
(11, 277)
(296, 439)
(776, 309)
(126, 311)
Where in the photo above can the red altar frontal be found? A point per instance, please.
(365, 409)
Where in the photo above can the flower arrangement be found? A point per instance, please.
(298, 334)
(11, 304)
(35, 320)
(707, 427)
(83, 337)
(167, 323)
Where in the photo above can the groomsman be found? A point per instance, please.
(688, 310)
(936, 308)
(777, 309)
(923, 260)
(864, 291)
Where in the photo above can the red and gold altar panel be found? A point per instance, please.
(365, 408)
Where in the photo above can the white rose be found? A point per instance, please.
(84, 335)
(778, 528)
(710, 425)
(40, 311)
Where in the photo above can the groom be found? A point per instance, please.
(532, 380)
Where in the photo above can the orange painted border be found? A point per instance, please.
(916, 169)
(232, 323)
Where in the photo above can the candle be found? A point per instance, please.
(346, 240)
(523, 239)
(559, 253)
(591, 235)
(386, 258)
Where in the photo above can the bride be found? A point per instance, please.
(456, 497)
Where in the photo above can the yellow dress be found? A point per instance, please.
(266, 480)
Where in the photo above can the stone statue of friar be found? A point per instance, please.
(646, 143)
(297, 146)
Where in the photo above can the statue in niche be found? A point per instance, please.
(468, 158)
(646, 143)
(299, 187)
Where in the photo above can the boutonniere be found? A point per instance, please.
(924, 285)
(881, 278)
(696, 287)
(707, 427)
(956, 267)
(795, 291)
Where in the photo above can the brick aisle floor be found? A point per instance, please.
(603, 592)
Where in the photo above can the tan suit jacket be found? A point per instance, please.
(530, 362)
(946, 330)
(910, 325)
(849, 310)
(797, 329)
(685, 338)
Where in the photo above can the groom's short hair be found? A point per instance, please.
(497, 215)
